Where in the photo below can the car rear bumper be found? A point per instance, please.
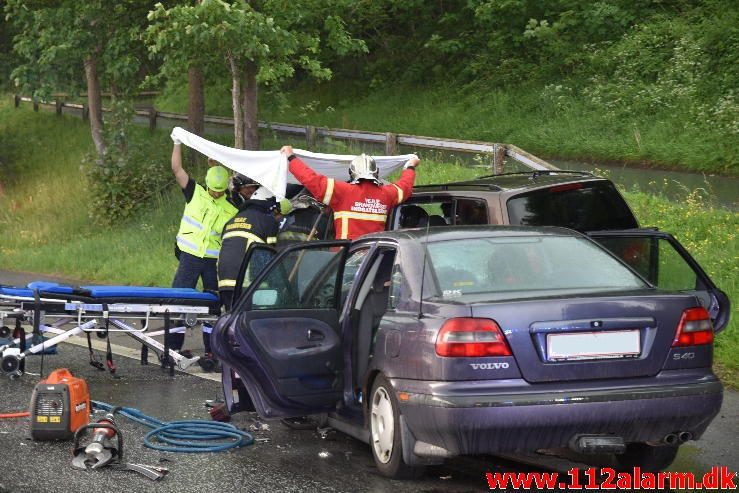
(460, 418)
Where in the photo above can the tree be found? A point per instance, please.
(58, 38)
(261, 42)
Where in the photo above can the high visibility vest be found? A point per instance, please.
(202, 223)
(226, 212)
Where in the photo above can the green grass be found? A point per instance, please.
(565, 126)
(45, 217)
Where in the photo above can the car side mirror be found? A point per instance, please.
(264, 298)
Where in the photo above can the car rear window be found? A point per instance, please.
(580, 206)
(539, 265)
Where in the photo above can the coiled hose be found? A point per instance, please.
(190, 436)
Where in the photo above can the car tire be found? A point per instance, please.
(385, 433)
(649, 458)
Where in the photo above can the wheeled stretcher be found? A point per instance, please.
(49, 307)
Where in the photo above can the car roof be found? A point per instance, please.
(513, 181)
(445, 233)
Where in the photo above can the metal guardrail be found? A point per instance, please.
(497, 152)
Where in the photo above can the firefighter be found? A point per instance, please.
(362, 205)
(255, 222)
(199, 236)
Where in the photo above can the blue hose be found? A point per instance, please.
(191, 436)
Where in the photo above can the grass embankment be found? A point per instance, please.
(45, 217)
(552, 121)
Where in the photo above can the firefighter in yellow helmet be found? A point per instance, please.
(199, 237)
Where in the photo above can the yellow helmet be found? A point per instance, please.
(217, 179)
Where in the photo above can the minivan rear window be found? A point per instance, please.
(580, 206)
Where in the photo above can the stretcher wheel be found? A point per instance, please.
(5, 332)
(101, 334)
(11, 365)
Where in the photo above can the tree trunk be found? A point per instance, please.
(251, 122)
(236, 100)
(94, 102)
(195, 100)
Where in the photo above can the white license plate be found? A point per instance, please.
(593, 345)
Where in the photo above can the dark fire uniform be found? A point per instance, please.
(253, 223)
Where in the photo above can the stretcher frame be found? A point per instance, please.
(87, 315)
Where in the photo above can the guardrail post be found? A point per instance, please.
(391, 144)
(85, 112)
(59, 105)
(152, 118)
(35, 105)
(498, 159)
(310, 137)
(16, 100)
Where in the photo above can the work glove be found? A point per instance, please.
(175, 139)
(412, 163)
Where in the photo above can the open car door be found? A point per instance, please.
(664, 262)
(282, 338)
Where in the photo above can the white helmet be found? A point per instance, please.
(363, 167)
(262, 193)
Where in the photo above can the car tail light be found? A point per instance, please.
(471, 337)
(565, 188)
(695, 328)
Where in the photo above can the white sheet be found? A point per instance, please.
(270, 168)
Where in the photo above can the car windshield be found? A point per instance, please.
(541, 265)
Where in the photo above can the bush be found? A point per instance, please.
(130, 174)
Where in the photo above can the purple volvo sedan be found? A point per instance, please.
(442, 341)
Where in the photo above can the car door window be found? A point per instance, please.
(656, 260)
(662, 260)
(396, 285)
(350, 271)
(470, 211)
(256, 258)
(301, 279)
(422, 214)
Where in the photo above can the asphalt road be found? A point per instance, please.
(284, 460)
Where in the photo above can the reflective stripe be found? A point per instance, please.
(193, 222)
(207, 328)
(177, 330)
(271, 240)
(212, 253)
(227, 283)
(329, 191)
(186, 243)
(344, 228)
(243, 234)
(364, 216)
(400, 193)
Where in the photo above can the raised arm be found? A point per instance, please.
(320, 186)
(404, 184)
(179, 173)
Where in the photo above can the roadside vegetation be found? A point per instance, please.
(51, 225)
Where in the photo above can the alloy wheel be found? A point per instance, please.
(382, 425)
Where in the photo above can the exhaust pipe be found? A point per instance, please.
(685, 436)
(671, 439)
